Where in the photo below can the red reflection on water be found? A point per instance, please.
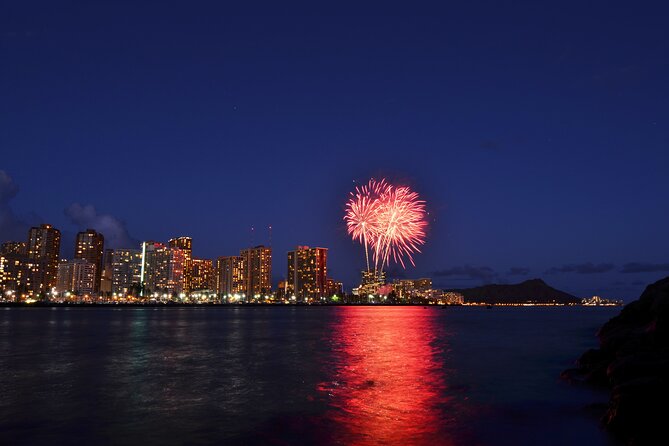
(388, 383)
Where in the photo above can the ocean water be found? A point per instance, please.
(297, 375)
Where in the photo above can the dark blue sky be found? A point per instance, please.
(536, 131)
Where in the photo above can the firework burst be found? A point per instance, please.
(388, 219)
(363, 211)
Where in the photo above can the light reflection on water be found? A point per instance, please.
(294, 375)
(387, 384)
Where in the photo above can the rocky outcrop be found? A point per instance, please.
(633, 360)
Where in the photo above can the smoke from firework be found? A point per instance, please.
(388, 219)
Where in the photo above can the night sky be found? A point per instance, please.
(537, 132)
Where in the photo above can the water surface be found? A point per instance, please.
(296, 375)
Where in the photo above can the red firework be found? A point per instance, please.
(388, 218)
(362, 213)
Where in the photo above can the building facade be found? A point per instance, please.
(230, 279)
(186, 245)
(202, 275)
(126, 266)
(17, 248)
(77, 276)
(258, 271)
(89, 246)
(307, 273)
(42, 257)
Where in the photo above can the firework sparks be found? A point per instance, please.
(363, 211)
(387, 218)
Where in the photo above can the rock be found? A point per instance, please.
(633, 360)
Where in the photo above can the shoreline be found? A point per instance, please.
(266, 305)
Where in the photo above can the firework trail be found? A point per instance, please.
(402, 227)
(362, 213)
(387, 218)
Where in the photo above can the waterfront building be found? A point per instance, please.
(409, 289)
(77, 276)
(307, 273)
(42, 256)
(371, 282)
(186, 245)
(176, 271)
(16, 248)
(107, 271)
(202, 275)
(230, 278)
(333, 288)
(126, 265)
(90, 246)
(258, 271)
(155, 264)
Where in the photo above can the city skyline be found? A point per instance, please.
(537, 135)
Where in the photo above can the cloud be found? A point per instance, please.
(8, 188)
(484, 273)
(518, 271)
(636, 267)
(115, 231)
(582, 268)
(11, 227)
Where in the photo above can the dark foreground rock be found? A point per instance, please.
(633, 360)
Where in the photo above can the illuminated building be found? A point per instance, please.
(64, 276)
(371, 282)
(77, 276)
(450, 298)
(230, 279)
(202, 275)
(162, 269)
(258, 271)
(107, 270)
(10, 272)
(333, 288)
(307, 273)
(408, 289)
(185, 244)
(176, 270)
(126, 265)
(155, 264)
(17, 248)
(42, 252)
(90, 246)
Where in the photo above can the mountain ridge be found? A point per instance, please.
(528, 291)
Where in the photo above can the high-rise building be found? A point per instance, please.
(18, 248)
(408, 289)
(307, 273)
(155, 263)
(258, 271)
(333, 288)
(107, 271)
(126, 271)
(176, 271)
(371, 282)
(90, 246)
(76, 276)
(202, 275)
(13, 268)
(186, 244)
(64, 281)
(12, 273)
(43, 253)
(162, 269)
(230, 279)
